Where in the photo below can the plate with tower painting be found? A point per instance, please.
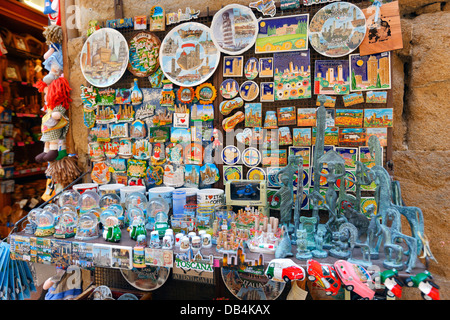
(188, 56)
(104, 57)
(143, 54)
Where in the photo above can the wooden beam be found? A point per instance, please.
(23, 14)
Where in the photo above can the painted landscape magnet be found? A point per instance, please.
(233, 66)
(266, 67)
(267, 92)
(331, 77)
(253, 115)
(371, 72)
(251, 68)
(378, 118)
(234, 29)
(349, 118)
(376, 96)
(188, 57)
(284, 33)
(301, 137)
(380, 133)
(352, 99)
(157, 19)
(229, 88)
(337, 29)
(286, 116)
(232, 173)
(292, 75)
(352, 137)
(306, 117)
(249, 90)
(106, 65)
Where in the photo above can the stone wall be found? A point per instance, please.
(421, 139)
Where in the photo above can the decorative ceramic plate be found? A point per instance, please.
(337, 29)
(249, 90)
(144, 54)
(251, 157)
(188, 56)
(251, 69)
(232, 173)
(256, 173)
(234, 29)
(229, 88)
(231, 155)
(106, 65)
(146, 279)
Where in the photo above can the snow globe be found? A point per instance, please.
(54, 209)
(45, 223)
(111, 229)
(87, 228)
(69, 197)
(161, 223)
(156, 205)
(31, 217)
(117, 208)
(108, 199)
(67, 223)
(88, 200)
(137, 222)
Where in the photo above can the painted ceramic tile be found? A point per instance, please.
(376, 96)
(256, 173)
(337, 29)
(384, 32)
(350, 180)
(332, 77)
(257, 135)
(191, 175)
(271, 120)
(232, 173)
(266, 67)
(202, 112)
(267, 90)
(330, 115)
(180, 135)
(286, 116)
(365, 203)
(233, 66)
(349, 118)
(270, 139)
(352, 99)
(372, 72)
(273, 158)
(249, 90)
(188, 56)
(306, 117)
(329, 101)
(352, 137)
(350, 156)
(253, 114)
(323, 182)
(381, 134)
(305, 152)
(273, 178)
(284, 136)
(229, 88)
(330, 138)
(284, 33)
(251, 68)
(326, 148)
(301, 137)
(292, 75)
(378, 118)
(366, 157)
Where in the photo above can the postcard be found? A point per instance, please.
(292, 75)
(371, 72)
(306, 117)
(349, 118)
(121, 257)
(331, 77)
(284, 33)
(378, 118)
(301, 137)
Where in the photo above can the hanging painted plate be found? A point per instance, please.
(231, 155)
(251, 69)
(146, 279)
(249, 90)
(143, 54)
(232, 173)
(188, 56)
(104, 57)
(251, 157)
(256, 173)
(234, 29)
(337, 29)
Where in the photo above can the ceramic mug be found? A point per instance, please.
(83, 187)
(210, 196)
(162, 192)
(126, 190)
(110, 188)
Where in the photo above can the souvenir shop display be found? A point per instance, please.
(188, 168)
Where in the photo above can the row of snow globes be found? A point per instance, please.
(84, 216)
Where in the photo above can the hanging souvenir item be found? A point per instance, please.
(234, 29)
(157, 19)
(191, 176)
(100, 173)
(193, 153)
(99, 133)
(136, 168)
(93, 25)
(141, 149)
(266, 7)
(253, 115)
(159, 134)
(337, 29)
(229, 105)
(120, 23)
(180, 135)
(202, 112)
(174, 152)
(231, 122)
(158, 156)
(106, 96)
(138, 129)
(140, 22)
(371, 72)
(173, 176)
(105, 115)
(185, 94)
(88, 118)
(251, 69)
(181, 120)
(156, 78)
(89, 97)
(136, 94)
(107, 64)
(209, 174)
(284, 136)
(245, 137)
(188, 57)
(233, 66)
(229, 88)
(111, 229)
(256, 173)
(205, 93)
(179, 16)
(123, 96)
(331, 77)
(232, 173)
(125, 113)
(118, 130)
(96, 152)
(282, 34)
(249, 90)
(155, 175)
(290, 4)
(271, 121)
(143, 54)
(251, 157)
